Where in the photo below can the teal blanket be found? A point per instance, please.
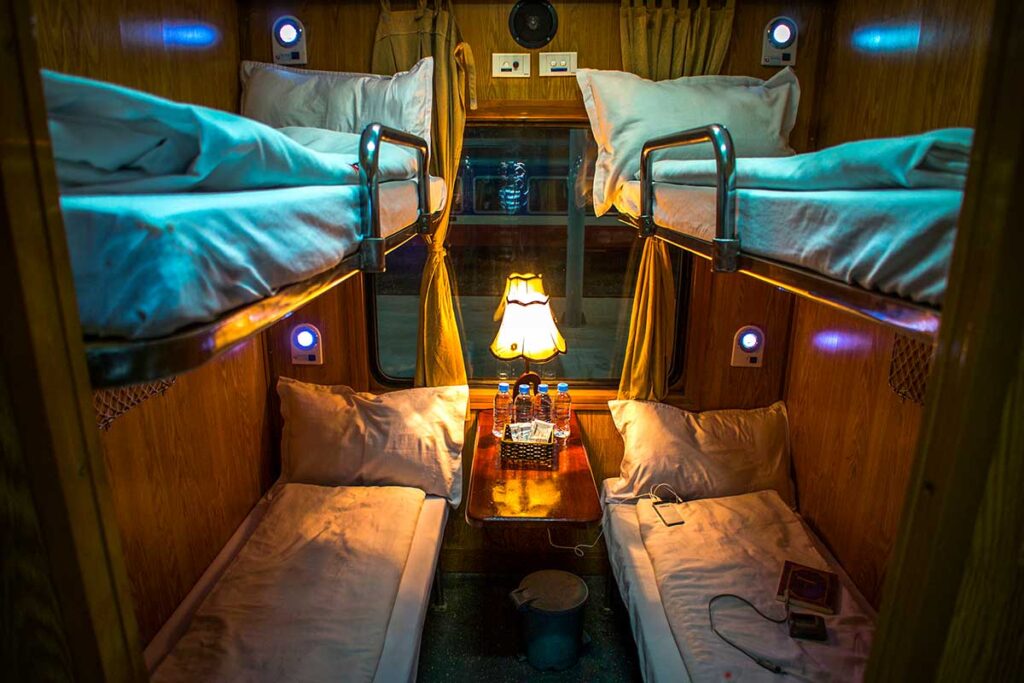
(108, 139)
(937, 159)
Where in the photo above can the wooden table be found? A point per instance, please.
(563, 496)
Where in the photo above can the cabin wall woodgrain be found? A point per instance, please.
(923, 73)
(185, 468)
(852, 438)
(133, 44)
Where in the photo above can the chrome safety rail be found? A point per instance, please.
(726, 244)
(373, 245)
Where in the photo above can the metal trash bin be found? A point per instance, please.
(551, 603)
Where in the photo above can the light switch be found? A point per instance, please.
(557, 63)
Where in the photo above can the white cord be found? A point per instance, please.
(653, 494)
(580, 549)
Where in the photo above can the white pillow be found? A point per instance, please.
(282, 96)
(626, 111)
(702, 455)
(336, 436)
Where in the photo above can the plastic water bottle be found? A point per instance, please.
(502, 409)
(524, 406)
(542, 404)
(562, 409)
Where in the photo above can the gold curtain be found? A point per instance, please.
(403, 38)
(663, 39)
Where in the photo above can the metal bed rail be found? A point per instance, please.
(374, 136)
(911, 319)
(726, 244)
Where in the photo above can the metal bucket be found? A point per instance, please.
(551, 603)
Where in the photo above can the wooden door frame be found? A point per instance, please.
(969, 404)
(53, 463)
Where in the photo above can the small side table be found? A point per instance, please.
(563, 496)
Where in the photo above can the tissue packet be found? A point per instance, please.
(521, 431)
(542, 431)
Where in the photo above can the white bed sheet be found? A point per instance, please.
(896, 241)
(660, 659)
(147, 265)
(400, 653)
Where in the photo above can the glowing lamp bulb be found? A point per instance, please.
(749, 341)
(782, 33)
(305, 339)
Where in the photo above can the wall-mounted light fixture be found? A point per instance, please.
(288, 41)
(748, 347)
(306, 345)
(780, 42)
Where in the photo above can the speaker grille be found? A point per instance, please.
(533, 23)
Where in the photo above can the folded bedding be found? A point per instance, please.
(739, 545)
(936, 159)
(108, 139)
(310, 595)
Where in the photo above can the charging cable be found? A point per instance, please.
(760, 661)
(580, 549)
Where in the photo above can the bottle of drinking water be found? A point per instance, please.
(542, 404)
(502, 409)
(562, 408)
(524, 406)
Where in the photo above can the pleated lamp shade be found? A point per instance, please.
(522, 287)
(527, 327)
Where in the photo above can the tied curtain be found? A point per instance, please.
(403, 38)
(663, 39)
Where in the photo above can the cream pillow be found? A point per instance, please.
(702, 455)
(282, 96)
(336, 436)
(626, 111)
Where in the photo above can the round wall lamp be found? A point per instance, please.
(748, 347)
(306, 345)
(780, 42)
(288, 40)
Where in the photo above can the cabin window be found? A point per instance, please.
(522, 203)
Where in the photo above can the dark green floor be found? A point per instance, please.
(476, 638)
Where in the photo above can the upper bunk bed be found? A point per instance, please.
(879, 254)
(190, 230)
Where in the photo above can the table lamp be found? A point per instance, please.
(527, 329)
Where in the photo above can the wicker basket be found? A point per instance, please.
(520, 455)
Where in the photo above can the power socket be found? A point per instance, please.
(510, 64)
(557, 63)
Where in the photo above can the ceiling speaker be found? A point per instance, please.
(533, 23)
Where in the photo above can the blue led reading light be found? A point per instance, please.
(750, 341)
(782, 33)
(287, 31)
(305, 337)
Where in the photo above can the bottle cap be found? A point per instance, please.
(563, 386)
(503, 387)
(524, 388)
(542, 388)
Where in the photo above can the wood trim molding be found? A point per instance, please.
(547, 112)
(51, 423)
(971, 416)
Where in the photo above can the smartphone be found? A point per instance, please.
(669, 513)
(807, 626)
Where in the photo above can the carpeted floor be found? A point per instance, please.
(476, 638)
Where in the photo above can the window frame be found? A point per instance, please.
(683, 275)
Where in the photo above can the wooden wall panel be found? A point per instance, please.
(185, 468)
(720, 305)
(852, 438)
(133, 44)
(872, 93)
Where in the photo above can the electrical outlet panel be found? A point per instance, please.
(557, 63)
(510, 64)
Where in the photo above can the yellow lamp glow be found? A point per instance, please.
(527, 329)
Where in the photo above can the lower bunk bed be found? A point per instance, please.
(318, 583)
(734, 545)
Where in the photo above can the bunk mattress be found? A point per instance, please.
(148, 265)
(318, 582)
(673, 636)
(896, 241)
